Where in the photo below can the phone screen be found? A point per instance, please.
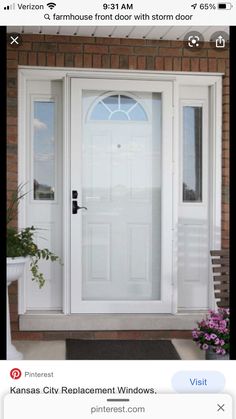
(118, 251)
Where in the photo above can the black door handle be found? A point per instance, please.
(76, 207)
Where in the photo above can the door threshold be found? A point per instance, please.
(38, 321)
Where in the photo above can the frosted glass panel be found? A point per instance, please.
(192, 154)
(44, 150)
(121, 178)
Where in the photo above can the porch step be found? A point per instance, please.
(95, 322)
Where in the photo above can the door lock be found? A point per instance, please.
(74, 194)
(76, 207)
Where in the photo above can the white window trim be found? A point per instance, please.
(212, 80)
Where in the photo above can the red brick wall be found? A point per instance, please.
(133, 54)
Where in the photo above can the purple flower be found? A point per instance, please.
(213, 330)
(205, 346)
(207, 337)
(223, 324)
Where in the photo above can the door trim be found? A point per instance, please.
(212, 80)
(148, 306)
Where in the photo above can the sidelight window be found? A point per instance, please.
(44, 150)
(192, 154)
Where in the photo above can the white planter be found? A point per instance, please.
(15, 269)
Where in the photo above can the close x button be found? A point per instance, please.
(14, 40)
(220, 407)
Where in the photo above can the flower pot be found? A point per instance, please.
(15, 269)
(211, 355)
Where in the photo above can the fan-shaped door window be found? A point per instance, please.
(118, 107)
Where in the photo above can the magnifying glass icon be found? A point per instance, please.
(46, 16)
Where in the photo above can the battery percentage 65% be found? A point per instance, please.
(204, 6)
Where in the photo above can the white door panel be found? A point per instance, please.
(117, 173)
(193, 230)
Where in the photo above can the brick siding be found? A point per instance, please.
(133, 54)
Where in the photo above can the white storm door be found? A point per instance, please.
(122, 171)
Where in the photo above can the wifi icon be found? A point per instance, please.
(51, 5)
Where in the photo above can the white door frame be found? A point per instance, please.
(150, 306)
(212, 80)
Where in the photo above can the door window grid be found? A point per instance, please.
(118, 108)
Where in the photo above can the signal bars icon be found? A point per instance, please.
(10, 7)
(51, 5)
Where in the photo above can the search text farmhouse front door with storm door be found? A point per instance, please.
(121, 193)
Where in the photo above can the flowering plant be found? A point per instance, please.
(22, 243)
(213, 332)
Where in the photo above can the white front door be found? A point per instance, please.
(121, 171)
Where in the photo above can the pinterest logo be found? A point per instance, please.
(15, 373)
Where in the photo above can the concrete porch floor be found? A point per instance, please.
(56, 350)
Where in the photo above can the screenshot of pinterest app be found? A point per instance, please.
(118, 140)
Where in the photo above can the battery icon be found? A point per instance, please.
(225, 6)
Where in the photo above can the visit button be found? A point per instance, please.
(198, 381)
